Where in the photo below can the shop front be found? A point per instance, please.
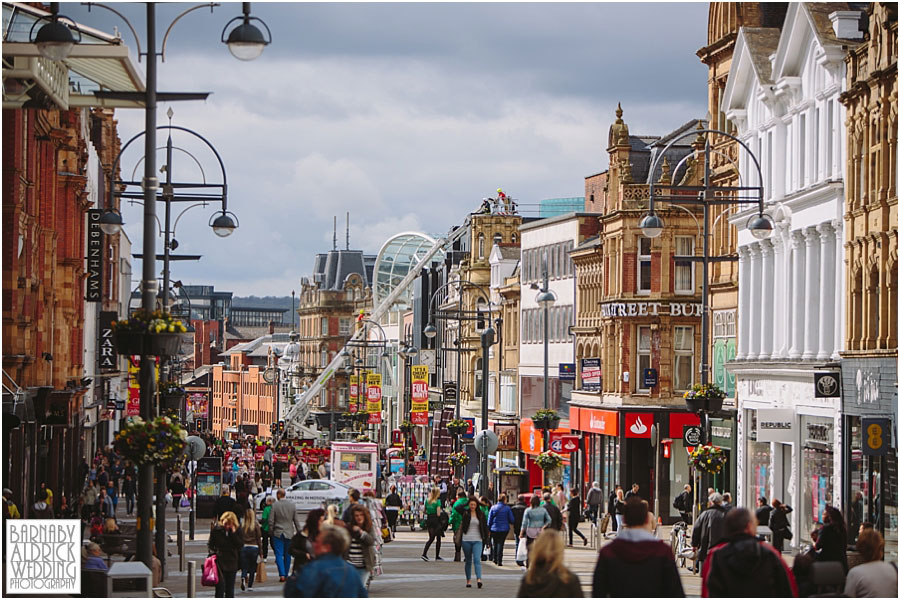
(531, 442)
(600, 454)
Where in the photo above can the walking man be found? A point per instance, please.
(500, 519)
(684, 502)
(283, 524)
(594, 500)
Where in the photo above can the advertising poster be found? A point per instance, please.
(133, 408)
(354, 394)
(373, 397)
(199, 405)
(591, 376)
(419, 379)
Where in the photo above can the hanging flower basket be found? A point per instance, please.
(548, 460)
(154, 334)
(709, 459)
(160, 442)
(707, 397)
(458, 427)
(458, 459)
(546, 419)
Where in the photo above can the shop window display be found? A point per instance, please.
(818, 472)
(760, 454)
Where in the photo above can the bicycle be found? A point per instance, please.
(681, 547)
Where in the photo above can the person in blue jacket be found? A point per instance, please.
(329, 575)
(500, 519)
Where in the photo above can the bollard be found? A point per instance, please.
(181, 549)
(191, 519)
(192, 579)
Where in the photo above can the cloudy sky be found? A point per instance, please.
(405, 114)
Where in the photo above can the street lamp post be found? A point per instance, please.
(706, 195)
(545, 299)
(487, 340)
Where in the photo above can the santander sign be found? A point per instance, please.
(637, 425)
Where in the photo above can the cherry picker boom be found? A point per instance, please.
(296, 416)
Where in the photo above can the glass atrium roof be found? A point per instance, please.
(396, 258)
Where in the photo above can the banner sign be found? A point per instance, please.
(876, 435)
(567, 371)
(419, 380)
(108, 357)
(199, 405)
(774, 425)
(354, 394)
(94, 290)
(827, 384)
(133, 409)
(591, 375)
(373, 397)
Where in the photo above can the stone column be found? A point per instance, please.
(743, 313)
(840, 293)
(767, 304)
(813, 299)
(755, 300)
(827, 291)
(797, 300)
(780, 333)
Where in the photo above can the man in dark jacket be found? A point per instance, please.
(636, 564)
(573, 510)
(518, 511)
(225, 503)
(594, 500)
(709, 530)
(684, 503)
(744, 566)
(763, 511)
(556, 518)
(500, 519)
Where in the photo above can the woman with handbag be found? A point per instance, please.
(252, 534)
(779, 524)
(433, 524)
(176, 488)
(225, 542)
(472, 535)
(361, 553)
(535, 519)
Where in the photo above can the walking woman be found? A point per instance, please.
(361, 553)
(473, 535)
(547, 577)
(225, 541)
(574, 510)
(831, 543)
(302, 543)
(252, 534)
(535, 519)
(433, 524)
(620, 509)
(176, 487)
(779, 524)
(392, 506)
(267, 508)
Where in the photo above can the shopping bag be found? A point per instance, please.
(522, 550)
(604, 523)
(210, 576)
(386, 535)
(260, 572)
(485, 553)
(185, 502)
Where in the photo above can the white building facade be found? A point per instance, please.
(783, 96)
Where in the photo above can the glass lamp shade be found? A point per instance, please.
(430, 331)
(760, 226)
(54, 41)
(223, 225)
(246, 42)
(111, 222)
(651, 225)
(546, 299)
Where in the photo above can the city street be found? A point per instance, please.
(405, 575)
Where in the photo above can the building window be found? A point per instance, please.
(684, 357)
(684, 269)
(480, 245)
(643, 266)
(346, 326)
(514, 238)
(498, 238)
(477, 392)
(324, 326)
(643, 357)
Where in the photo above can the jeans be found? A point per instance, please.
(225, 587)
(129, 503)
(472, 551)
(363, 575)
(249, 555)
(434, 533)
(620, 522)
(282, 556)
(573, 528)
(592, 510)
(265, 545)
(497, 540)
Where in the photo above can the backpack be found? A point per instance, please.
(679, 502)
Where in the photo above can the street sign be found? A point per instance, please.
(692, 435)
(486, 442)
(651, 378)
(567, 371)
(876, 434)
(827, 384)
(568, 443)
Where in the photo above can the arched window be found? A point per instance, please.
(480, 245)
(479, 385)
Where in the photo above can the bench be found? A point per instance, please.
(118, 543)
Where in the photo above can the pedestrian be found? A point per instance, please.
(473, 534)
(321, 471)
(331, 517)
(548, 577)
(559, 497)
(618, 509)
(442, 486)
(93, 559)
(726, 501)
(456, 512)
(594, 500)
(329, 575)
(361, 552)
(267, 455)
(292, 471)
(556, 518)
(611, 506)
(252, 534)
(534, 521)
(392, 506)
(88, 500)
(10, 510)
(780, 524)
(635, 488)
(831, 544)
(744, 566)
(226, 541)
(709, 530)
(433, 524)
(224, 503)
(353, 497)
(684, 504)
(264, 526)
(129, 488)
(301, 544)
(636, 563)
(176, 488)
(518, 511)
(500, 520)
(872, 578)
(283, 524)
(763, 511)
(266, 477)
(573, 508)
(105, 505)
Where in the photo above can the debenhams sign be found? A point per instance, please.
(650, 309)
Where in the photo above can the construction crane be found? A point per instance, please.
(296, 416)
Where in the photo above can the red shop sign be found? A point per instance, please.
(637, 425)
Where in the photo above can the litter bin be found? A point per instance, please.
(129, 580)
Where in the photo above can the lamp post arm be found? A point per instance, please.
(137, 40)
(210, 5)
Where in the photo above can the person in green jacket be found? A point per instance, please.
(264, 525)
(433, 524)
(456, 513)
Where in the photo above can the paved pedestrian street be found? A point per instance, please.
(405, 574)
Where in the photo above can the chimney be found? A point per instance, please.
(846, 24)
